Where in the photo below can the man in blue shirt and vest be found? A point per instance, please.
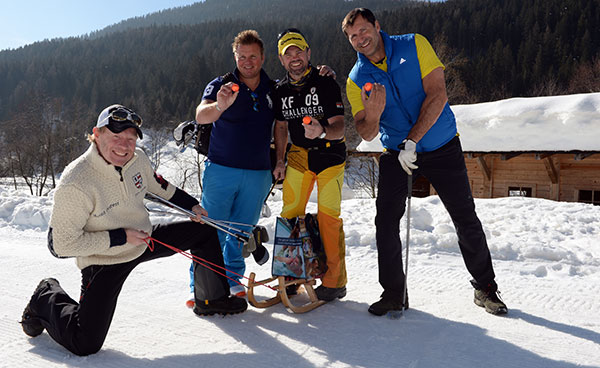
(408, 105)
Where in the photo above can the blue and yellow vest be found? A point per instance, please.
(404, 95)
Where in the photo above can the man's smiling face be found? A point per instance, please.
(364, 37)
(116, 148)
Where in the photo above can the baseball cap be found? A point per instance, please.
(291, 37)
(117, 118)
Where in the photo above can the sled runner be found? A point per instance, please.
(282, 296)
(298, 259)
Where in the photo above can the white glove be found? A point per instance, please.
(408, 156)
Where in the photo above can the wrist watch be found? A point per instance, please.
(322, 135)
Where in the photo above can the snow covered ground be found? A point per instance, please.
(546, 256)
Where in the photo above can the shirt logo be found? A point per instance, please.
(137, 180)
(105, 211)
(402, 60)
(160, 180)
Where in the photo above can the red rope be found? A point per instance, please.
(199, 260)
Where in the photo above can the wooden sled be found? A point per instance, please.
(282, 296)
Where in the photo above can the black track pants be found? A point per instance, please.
(446, 171)
(82, 327)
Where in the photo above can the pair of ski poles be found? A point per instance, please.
(247, 238)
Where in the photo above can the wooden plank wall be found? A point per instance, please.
(558, 176)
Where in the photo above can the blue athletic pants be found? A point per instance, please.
(235, 195)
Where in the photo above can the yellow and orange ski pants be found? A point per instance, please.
(297, 187)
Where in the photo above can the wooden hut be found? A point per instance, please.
(543, 147)
(561, 176)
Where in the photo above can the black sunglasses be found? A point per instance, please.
(120, 115)
(256, 105)
(289, 30)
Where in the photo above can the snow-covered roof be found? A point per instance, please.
(554, 123)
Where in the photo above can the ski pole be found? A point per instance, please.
(270, 191)
(229, 225)
(409, 196)
(266, 211)
(220, 224)
(206, 220)
(167, 203)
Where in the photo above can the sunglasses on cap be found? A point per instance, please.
(121, 119)
(120, 115)
(289, 30)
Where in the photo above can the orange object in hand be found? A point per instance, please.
(306, 120)
(368, 86)
(235, 87)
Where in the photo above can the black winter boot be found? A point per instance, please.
(387, 304)
(31, 324)
(228, 304)
(488, 297)
(329, 294)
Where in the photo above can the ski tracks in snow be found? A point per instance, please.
(550, 323)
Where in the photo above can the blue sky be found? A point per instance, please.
(23, 22)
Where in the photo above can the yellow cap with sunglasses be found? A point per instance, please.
(291, 38)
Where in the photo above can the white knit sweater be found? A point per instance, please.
(93, 197)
